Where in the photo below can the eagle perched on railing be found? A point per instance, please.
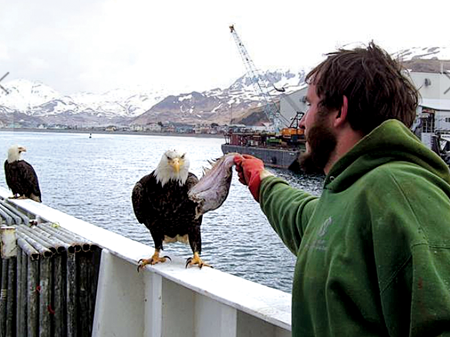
(21, 177)
(160, 201)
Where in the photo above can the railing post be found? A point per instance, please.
(153, 306)
(228, 326)
(119, 307)
(214, 318)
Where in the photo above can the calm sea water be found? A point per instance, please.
(92, 179)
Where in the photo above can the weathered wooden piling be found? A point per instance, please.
(23, 218)
(45, 286)
(11, 215)
(10, 304)
(45, 252)
(3, 297)
(49, 287)
(59, 295)
(33, 298)
(28, 249)
(6, 218)
(87, 262)
(72, 294)
(22, 285)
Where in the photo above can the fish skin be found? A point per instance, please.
(212, 189)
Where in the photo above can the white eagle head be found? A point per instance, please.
(14, 153)
(174, 165)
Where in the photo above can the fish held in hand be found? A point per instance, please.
(212, 189)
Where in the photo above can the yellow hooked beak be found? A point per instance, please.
(176, 163)
(22, 149)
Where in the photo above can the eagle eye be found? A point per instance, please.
(182, 157)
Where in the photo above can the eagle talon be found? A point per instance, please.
(196, 260)
(141, 264)
(152, 261)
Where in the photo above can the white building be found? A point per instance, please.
(292, 104)
(434, 105)
(153, 127)
(432, 85)
(433, 113)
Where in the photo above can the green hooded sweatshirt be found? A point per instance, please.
(373, 252)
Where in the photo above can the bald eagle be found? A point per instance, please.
(20, 176)
(160, 201)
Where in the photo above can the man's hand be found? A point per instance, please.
(249, 170)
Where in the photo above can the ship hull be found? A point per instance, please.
(272, 157)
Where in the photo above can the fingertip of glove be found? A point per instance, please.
(238, 159)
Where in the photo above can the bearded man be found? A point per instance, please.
(373, 251)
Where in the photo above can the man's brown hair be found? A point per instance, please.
(375, 85)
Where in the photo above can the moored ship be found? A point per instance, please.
(278, 151)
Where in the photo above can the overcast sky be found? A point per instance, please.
(182, 45)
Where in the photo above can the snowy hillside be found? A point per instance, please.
(223, 105)
(423, 53)
(23, 95)
(37, 99)
(123, 106)
(32, 103)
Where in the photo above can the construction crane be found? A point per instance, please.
(259, 83)
(1, 85)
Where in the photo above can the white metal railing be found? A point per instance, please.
(168, 299)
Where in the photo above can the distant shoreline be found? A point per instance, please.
(138, 133)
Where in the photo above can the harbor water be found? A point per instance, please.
(91, 178)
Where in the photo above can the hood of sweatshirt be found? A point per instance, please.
(391, 141)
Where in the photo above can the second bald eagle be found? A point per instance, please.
(20, 176)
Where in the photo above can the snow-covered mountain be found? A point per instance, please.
(33, 103)
(38, 100)
(425, 59)
(222, 105)
(423, 53)
(24, 95)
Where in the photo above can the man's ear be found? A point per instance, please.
(341, 116)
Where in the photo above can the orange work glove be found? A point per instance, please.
(249, 170)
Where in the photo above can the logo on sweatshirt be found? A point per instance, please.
(325, 225)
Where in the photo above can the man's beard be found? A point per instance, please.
(322, 142)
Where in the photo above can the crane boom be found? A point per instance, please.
(258, 80)
(1, 87)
